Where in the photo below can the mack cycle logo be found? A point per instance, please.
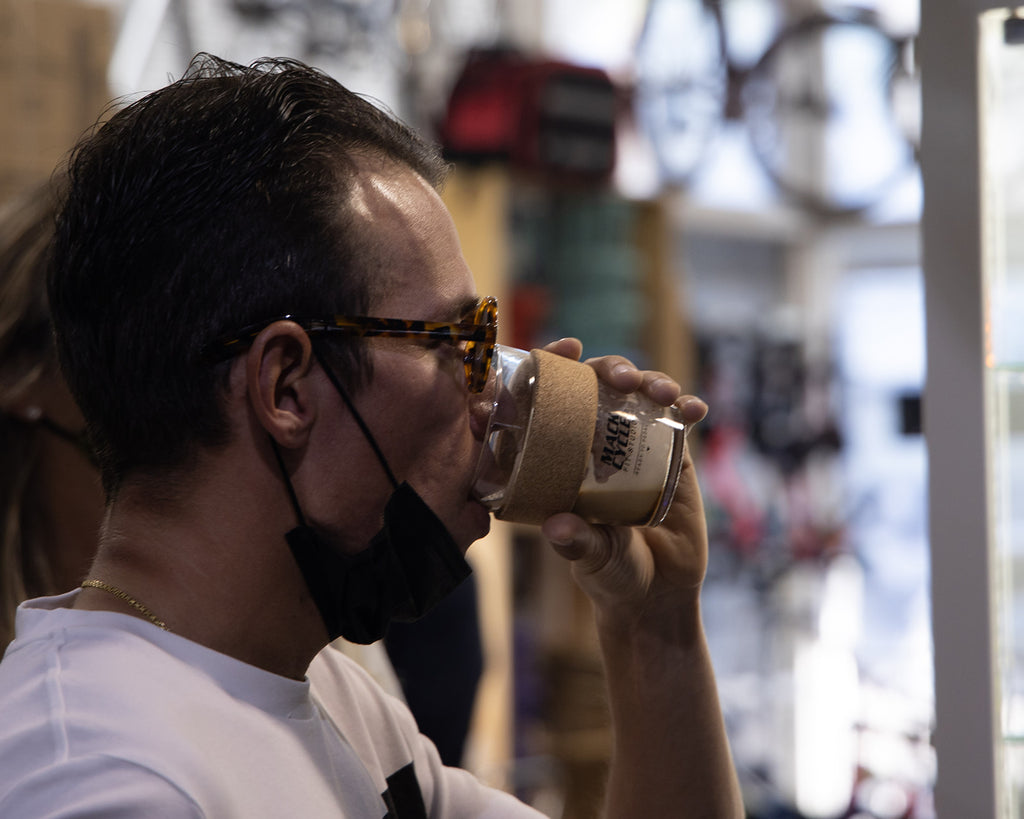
(617, 434)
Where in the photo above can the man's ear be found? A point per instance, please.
(282, 394)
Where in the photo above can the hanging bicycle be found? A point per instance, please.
(828, 105)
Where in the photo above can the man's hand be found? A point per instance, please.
(631, 570)
(671, 753)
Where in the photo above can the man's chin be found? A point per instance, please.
(478, 524)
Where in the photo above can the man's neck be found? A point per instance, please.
(215, 567)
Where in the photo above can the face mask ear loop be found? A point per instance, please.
(287, 482)
(355, 414)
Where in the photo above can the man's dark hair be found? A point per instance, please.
(216, 202)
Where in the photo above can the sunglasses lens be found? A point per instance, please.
(482, 356)
(480, 353)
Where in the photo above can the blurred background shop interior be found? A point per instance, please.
(740, 193)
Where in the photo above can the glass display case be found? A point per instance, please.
(1001, 121)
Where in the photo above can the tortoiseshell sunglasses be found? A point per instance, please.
(478, 328)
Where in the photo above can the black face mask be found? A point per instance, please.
(410, 565)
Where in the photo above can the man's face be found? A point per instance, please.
(416, 405)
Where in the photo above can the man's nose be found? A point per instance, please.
(481, 408)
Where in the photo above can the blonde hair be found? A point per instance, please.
(26, 355)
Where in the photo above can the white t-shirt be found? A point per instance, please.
(102, 714)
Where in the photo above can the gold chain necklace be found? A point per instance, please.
(131, 601)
